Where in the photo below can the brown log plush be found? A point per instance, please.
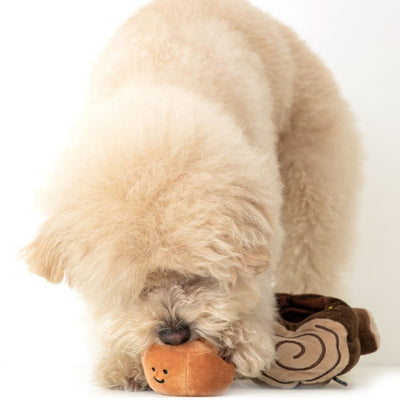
(318, 338)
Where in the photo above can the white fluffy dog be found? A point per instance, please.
(214, 146)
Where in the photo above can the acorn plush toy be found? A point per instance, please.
(316, 338)
(190, 369)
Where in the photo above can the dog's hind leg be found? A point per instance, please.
(320, 168)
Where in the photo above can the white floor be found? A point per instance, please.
(46, 382)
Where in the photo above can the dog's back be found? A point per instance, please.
(279, 94)
(228, 52)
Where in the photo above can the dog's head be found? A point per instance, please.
(162, 213)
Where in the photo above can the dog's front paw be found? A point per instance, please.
(135, 385)
(112, 373)
(129, 384)
(250, 360)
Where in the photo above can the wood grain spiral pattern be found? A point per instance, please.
(314, 353)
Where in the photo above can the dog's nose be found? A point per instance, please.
(174, 335)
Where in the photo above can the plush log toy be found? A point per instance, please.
(317, 338)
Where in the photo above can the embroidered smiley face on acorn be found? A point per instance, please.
(159, 376)
(190, 369)
(164, 368)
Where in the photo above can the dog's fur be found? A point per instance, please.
(214, 146)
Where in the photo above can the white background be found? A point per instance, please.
(46, 50)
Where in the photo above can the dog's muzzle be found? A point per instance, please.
(174, 336)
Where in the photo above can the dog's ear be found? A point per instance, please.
(257, 259)
(257, 253)
(257, 234)
(45, 255)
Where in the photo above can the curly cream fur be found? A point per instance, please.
(214, 146)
